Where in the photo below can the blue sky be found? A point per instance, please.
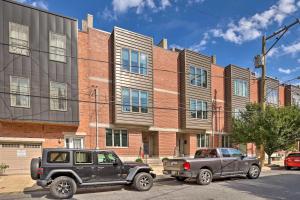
(230, 29)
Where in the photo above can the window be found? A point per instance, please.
(225, 153)
(203, 140)
(198, 109)
(18, 39)
(272, 96)
(206, 153)
(57, 47)
(116, 138)
(58, 157)
(134, 61)
(32, 146)
(74, 142)
(240, 88)
(83, 158)
(9, 145)
(198, 76)
(58, 96)
(20, 92)
(225, 141)
(104, 158)
(296, 100)
(235, 153)
(134, 100)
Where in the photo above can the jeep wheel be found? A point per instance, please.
(63, 187)
(143, 181)
(180, 178)
(253, 172)
(204, 177)
(34, 165)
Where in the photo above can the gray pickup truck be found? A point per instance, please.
(209, 164)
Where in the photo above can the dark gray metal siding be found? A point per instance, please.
(270, 83)
(233, 102)
(126, 39)
(190, 58)
(37, 66)
(289, 91)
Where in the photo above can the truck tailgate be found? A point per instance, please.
(173, 164)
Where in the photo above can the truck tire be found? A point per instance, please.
(180, 178)
(253, 172)
(143, 181)
(287, 167)
(204, 177)
(34, 165)
(63, 187)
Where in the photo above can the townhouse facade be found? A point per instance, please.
(88, 88)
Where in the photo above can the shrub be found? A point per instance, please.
(139, 160)
(3, 167)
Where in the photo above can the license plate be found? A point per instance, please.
(174, 163)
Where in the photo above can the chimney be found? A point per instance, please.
(90, 21)
(214, 59)
(84, 25)
(163, 43)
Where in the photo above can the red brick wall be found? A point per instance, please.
(165, 78)
(166, 143)
(281, 96)
(254, 84)
(191, 143)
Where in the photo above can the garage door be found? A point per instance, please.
(18, 155)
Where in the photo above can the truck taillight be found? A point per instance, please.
(40, 171)
(186, 166)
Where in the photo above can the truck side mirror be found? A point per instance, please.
(243, 156)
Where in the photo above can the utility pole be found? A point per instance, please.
(96, 114)
(260, 62)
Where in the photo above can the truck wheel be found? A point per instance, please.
(204, 177)
(143, 181)
(287, 167)
(34, 165)
(63, 187)
(253, 172)
(180, 178)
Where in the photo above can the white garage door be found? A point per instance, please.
(19, 155)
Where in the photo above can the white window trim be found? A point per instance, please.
(53, 109)
(11, 92)
(205, 140)
(26, 48)
(227, 141)
(202, 103)
(71, 138)
(240, 93)
(113, 138)
(65, 49)
(130, 100)
(201, 69)
(139, 61)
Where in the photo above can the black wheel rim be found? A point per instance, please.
(205, 177)
(64, 187)
(144, 182)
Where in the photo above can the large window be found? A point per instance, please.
(116, 138)
(198, 109)
(20, 92)
(58, 96)
(18, 39)
(57, 47)
(74, 142)
(58, 157)
(198, 76)
(134, 100)
(296, 100)
(240, 88)
(203, 140)
(134, 61)
(83, 157)
(272, 96)
(225, 141)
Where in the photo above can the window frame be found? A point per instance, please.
(198, 78)
(244, 84)
(72, 138)
(225, 141)
(120, 137)
(270, 95)
(65, 49)
(140, 107)
(207, 140)
(296, 100)
(51, 98)
(139, 61)
(67, 160)
(92, 158)
(10, 38)
(204, 112)
(12, 93)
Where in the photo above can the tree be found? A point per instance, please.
(276, 128)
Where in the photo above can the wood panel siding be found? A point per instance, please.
(188, 91)
(37, 67)
(289, 91)
(233, 101)
(126, 39)
(270, 83)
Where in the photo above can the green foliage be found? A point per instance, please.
(277, 128)
(139, 160)
(3, 167)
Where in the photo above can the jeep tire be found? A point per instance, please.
(143, 181)
(204, 177)
(63, 187)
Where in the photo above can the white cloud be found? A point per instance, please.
(191, 2)
(38, 3)
(176, 46)
(107, 14)
(291, 49)
(285, 71)
(247, 29)
(122, 6)
(202, 44)
(298, 60)
(274, 51)
(298, 4)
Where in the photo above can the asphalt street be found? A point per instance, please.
(276, 184)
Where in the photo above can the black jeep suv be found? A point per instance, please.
(66, 169)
